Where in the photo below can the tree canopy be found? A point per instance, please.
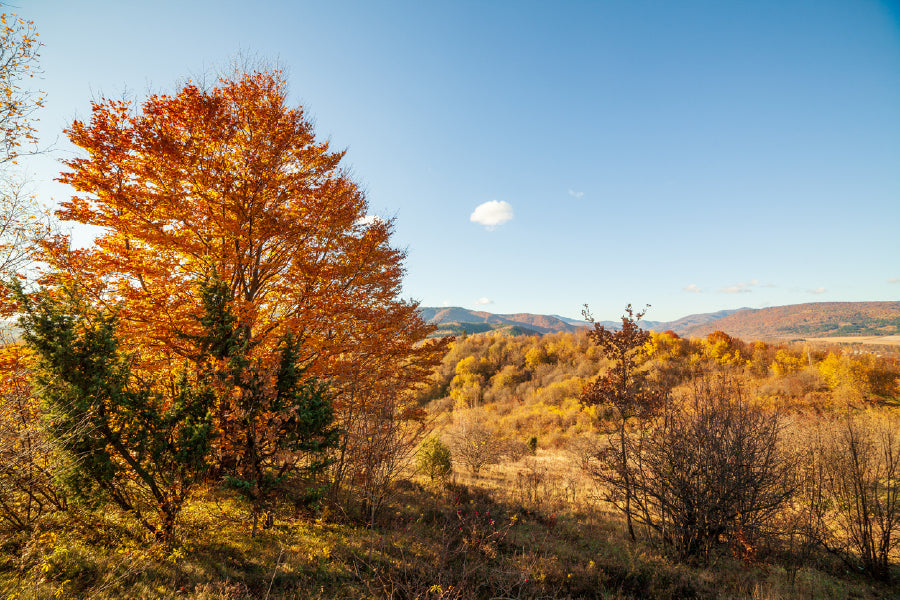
(230, 182)
(236, 248)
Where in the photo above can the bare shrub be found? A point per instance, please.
(714, 469)
(27, 471)
(377, 450)
(852, 491)
(475, 445)
(710, 470)
(515, 450)
(531, 485)
(584, 453)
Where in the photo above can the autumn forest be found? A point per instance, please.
(224, 396)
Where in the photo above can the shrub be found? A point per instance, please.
(27, 469)
(475, 445)
(709, 470)
(435, 459)
(853, 491)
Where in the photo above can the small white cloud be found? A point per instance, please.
(492, 213)
(575, 194)
(367, 220)
(894, 280)
(445, 303)
(482, 301)
(692, 288)
(818, 290)
(739, 288)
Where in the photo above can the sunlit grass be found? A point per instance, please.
(422, 545)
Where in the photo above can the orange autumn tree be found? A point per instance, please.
(230, 185)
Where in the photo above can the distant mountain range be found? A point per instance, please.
(455, 320)
(818, 319)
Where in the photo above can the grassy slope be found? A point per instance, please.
(527, 528)
(453, 542)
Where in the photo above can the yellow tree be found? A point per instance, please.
(722, 348)
(786, 363)
(229, 184)
(26, 481)
(20, 219)
(467, 385)
(19, 48)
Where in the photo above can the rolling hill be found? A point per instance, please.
(455, 320)
(461, 316)
(818, 319)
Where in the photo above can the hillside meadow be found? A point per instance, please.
(520, 506)
(223, 396)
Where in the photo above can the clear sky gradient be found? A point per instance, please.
(695, 156)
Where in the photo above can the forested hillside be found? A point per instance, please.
(533, 384)
(465, 319)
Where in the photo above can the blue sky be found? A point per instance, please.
(695, 156)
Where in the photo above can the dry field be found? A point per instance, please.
(881, 340)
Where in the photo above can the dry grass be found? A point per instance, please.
(880, 340)
(478, 537)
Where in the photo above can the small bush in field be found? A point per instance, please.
(435, 459)
(475, 445)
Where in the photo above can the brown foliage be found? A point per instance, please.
(624, 388)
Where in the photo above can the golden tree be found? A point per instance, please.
(26, 479)
(20, 219)
(19, 48)
(229, 184)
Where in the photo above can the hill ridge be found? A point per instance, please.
(811, 319)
